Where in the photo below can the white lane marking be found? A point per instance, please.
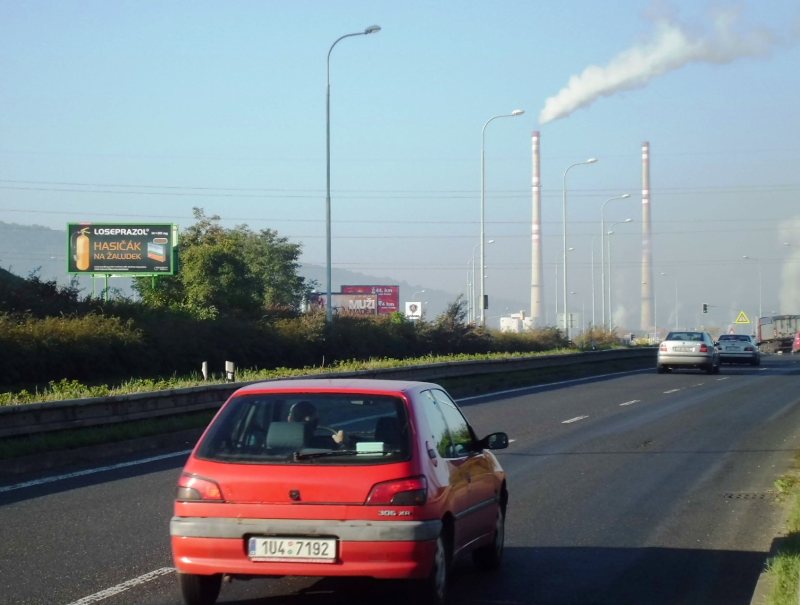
(671, 391)
(90, 471)
(631, 402)
(120, 588)
(576, 419)
(723, 378)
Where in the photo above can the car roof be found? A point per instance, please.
(336, 385)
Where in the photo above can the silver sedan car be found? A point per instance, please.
(688, 350)
(738, 348)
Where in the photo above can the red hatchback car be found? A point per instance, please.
(343, 477)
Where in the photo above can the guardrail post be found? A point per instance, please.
(230, 371)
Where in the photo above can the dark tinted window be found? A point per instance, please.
(309, 428)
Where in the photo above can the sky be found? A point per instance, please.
(141, 111)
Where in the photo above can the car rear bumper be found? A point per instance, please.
(738, 357)
(687, 360)
(383, 550)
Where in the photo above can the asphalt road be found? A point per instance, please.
(633, 488)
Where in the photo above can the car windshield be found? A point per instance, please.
(739, 337)
(309, 428)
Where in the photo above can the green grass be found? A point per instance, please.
(72, 389)
(783, 568)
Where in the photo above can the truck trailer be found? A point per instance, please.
(776, 333)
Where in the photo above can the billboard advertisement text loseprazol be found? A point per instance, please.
(132, 249)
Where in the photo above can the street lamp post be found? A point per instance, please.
(760, 284)
(610, 286)
(602, 250)
(372, 29)
(513, 114)
(564, 237)
(472, 290)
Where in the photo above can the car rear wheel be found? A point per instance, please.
(662, 369)
(489, 557)
(199, 590)
(433, 589)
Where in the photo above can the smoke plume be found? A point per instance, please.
(789, 294)
(671, 47)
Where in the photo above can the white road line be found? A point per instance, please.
(631, 402)
(723, 378)
(671, 391)
(120, 588)
(90, 471)
(576, 419)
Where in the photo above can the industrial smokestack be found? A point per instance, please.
(647, 252)
(537, 316)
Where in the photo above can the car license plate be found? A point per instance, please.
(274, 548)
(731, 348)
(683, 349)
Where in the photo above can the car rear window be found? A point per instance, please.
(309, 428)
(685, 336)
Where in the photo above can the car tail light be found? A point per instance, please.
(704, 348)
(749, 349)
(400, 492)
(195, 488)
(663, 347)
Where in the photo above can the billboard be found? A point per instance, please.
(132, 249)
(388, 296)
(348, 304)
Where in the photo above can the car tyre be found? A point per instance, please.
(489, 557)
(199, 590)
(433, 589)
(661, 369)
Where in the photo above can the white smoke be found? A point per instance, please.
(672, 47)
(789, 295)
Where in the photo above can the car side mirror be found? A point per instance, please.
(495, 441)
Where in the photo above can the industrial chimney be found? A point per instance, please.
(647, 252)
(537, 315)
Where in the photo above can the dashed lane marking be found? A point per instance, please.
(90, 471)
(127, 585)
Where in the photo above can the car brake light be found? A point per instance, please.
(411, 491)
(663, 347)
(194, 488)
(704, 348)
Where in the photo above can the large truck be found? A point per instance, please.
(776, 333)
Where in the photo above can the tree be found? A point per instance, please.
(229, 273)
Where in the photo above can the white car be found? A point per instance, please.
(688, 350)
(738, 348)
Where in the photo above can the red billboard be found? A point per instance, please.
(388, 296)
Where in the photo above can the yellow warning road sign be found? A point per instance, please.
(742, 319)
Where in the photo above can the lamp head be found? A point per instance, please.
(372, 29)
(517, 112)
(590, 161)
(625, 196)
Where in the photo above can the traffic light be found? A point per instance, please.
(705, 307)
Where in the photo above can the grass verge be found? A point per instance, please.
(783, 569)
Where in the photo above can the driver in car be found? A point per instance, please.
(305, 411)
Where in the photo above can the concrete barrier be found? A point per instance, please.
(36, 418)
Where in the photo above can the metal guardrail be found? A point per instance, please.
(36, 418)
